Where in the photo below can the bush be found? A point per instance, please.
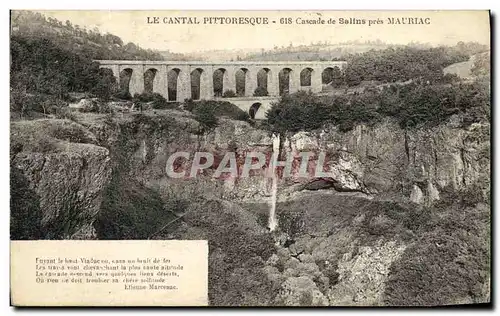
(44, 62)
(129, 210)
(18, 101)
(143, 97)
(449, 263)
(25, 103)
(123, 95)
(302, 111)
(189, 105)
(260, 92)
(243, 116)
(157, 101)
(65, 113)
(218, 108)
(229, 94)
(25, 213)
(106, 84)
(72, 132)
(237, 255)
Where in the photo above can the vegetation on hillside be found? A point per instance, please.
(401, 64)
(412, 105)
(84, 42)
(446, 258)
(325, 50)
(408, 84)
(449, 260)
(206, 113)
(50, 59)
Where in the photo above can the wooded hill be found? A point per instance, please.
(50, 58)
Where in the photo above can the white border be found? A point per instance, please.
(186, 5)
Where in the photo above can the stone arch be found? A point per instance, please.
(173, 83)
(196, 84)
(284, 81)
(263, 76)
(253, 109)
(327, 75)
(219, 77)
(305, 77)
(241, 77)
(125, 77)
(149, 78)
(332, 76)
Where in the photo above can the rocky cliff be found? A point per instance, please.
(380, 160)
(68, 174)
(342, 239)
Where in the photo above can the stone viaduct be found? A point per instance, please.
(179, 80)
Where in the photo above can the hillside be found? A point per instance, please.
(386, 233)
(478, 64)
(384, 199)
(50, 59)
(345, 51)
(65, 35)
(317, 51)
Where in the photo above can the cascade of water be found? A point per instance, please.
(273, 221)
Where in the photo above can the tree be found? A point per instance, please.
(260, 91)
(481, 65)
(204, 114)
(106, 84)
(229, 94)
(45, 63)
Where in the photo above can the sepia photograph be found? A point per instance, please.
(250, 158)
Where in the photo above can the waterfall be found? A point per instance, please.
(273, 221)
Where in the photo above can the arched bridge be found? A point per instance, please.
(179, 80)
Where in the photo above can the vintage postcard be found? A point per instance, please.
(250, 158)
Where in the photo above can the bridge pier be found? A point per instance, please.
(229, 82)
(294, 80)
(316, 81)
(160, 81)
(184, 85)
(206, 84)
(136, 84)
(250, 83)
(116, 72)
(273, 82)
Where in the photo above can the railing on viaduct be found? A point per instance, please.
(179, 80)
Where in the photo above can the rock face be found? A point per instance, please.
(332, 246)
(68, 178)
(381, 159)
(301, 291)
(418, 164)
(362, 277)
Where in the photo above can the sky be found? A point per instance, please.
(445, 27)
